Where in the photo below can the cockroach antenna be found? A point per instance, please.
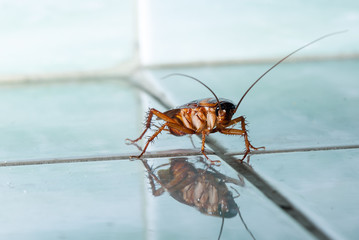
(281, 60)
(244, 223)
(220, 231)
(188, 76)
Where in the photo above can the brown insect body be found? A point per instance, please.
(202, 115)
(207, 116)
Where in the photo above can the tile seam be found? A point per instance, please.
(161, 154)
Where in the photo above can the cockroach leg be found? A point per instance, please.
(149, 121)
(151, 139)
(148, 125)
(168, 122)
(215, 162)
(243, 132)
(160, 129)
(180, 128)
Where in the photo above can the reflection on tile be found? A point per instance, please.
(324, 184)
(171, 211)
(72, 201)
(69, 119)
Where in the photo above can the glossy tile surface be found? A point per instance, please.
(94, 191)
(167, 214)
(51, 37)
(72, 201)
(323, 183)
(66, 119)
(112, 199)
(236, 30)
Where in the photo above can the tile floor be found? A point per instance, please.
(109, 197)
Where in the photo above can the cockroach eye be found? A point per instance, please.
(228, 107)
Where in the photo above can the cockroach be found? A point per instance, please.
(203, 189)
(206, 116)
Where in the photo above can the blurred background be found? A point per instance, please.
(68, 71)
(53, 37)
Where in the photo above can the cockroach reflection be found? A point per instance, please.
(205, 116)
(205, 189)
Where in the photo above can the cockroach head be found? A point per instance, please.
(227, 211)
(225, 110)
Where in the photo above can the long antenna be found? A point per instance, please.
(306, 45)
(220, 231)
(188, 76)
(245, 225)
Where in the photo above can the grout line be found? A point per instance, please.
(63, 160)
(122, 70)
(115, 157)
(291, 150)
(127, 68)
(61, 77)
(161, 154)
(215, 63)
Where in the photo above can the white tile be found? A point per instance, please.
(66, 120)
(72, 201)
(322, 183)
(206, 31)
(48, 37)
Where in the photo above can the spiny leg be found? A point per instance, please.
(148, 125)
(215, 162)
(243, 132)
(238, 132)
(243, 125)
(149, 121)
(151, 139)
(246, 141)
(169, 123)
(162, 116)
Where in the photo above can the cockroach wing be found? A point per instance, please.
(193, 104)
(204, 102)
(171, 113)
